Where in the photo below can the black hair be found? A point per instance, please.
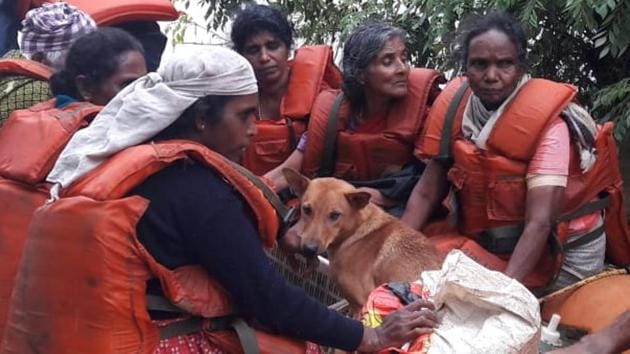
(502, 22)
(254, 19)
(210, 108)
(94, 55)
(361, 47)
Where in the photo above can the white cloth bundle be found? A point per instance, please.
(480, 311)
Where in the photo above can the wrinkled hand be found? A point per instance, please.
(400, 327)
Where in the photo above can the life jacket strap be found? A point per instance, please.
(449, 120)
(503, 239)
(245, 333)
(327, 165)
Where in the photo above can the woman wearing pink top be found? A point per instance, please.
(495, 69)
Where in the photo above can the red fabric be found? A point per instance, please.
(189, 344)
(382, 302)
(198, 343)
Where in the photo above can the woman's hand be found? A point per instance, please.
(279, 182)
(400, 327)
(377, 197)
(290, 244)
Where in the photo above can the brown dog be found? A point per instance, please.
(366, 246)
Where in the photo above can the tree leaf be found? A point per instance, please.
(602, 10)
(600, 41)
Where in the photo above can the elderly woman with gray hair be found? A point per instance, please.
(364, 133)
(196, 215)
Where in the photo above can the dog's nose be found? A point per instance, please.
(309, 250)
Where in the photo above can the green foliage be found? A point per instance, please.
(614, 103)
(584, 42)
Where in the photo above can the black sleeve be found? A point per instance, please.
(227, 245)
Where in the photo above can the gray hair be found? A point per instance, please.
(363, 45)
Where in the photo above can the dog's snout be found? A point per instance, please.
(309, 250)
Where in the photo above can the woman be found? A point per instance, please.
(44, 45)
(516, 174)
(287, 88)
(384, 104)
(98, 66)
(194, 216)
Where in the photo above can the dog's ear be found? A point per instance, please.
(296, 181)
(358, 200)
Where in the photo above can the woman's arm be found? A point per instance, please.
(542, 207)
(294, 161)
(546, 182)
(228, 246)
(430, 190)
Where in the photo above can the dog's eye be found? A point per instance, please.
(334, 215)
(307, 210)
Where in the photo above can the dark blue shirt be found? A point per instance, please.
(61, 101)
(196, 217)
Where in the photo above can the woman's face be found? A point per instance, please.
(493, 67)
(387, 74)
(231, 135)
(269, 57)
(131, 65)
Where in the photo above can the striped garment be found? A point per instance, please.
(53, 27)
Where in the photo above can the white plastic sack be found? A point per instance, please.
(480, 311)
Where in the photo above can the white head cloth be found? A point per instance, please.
(149, 105)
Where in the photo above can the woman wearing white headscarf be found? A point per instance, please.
(195, 217)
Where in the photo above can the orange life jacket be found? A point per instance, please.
(490, 184)
(361, 156)
(30, 142)
(312, 70)
(25, 67)
(81, 287)
(110, 12)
